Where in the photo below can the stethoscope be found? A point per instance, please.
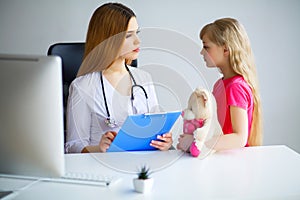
(109, 121)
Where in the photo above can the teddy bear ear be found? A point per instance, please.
(205, 95)
(201, 92)
(198, 91)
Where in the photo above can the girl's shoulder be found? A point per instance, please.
(238, 85)
(236, 81)
(233, 83)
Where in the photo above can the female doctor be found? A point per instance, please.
(106, 90)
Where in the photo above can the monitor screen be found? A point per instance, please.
(31, 116)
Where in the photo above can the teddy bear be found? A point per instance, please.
(200, 119)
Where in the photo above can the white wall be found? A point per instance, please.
(29, 27)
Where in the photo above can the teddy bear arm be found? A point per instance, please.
(201, 133)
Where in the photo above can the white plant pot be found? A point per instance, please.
(143, 185)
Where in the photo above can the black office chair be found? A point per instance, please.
(71, 55)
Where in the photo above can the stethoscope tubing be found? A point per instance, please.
(109, 121)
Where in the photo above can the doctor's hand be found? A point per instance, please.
(106, 140)
(185, 141)
(163, 142)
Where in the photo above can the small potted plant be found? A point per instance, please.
(143, 183)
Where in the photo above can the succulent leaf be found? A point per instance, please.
(144, 172)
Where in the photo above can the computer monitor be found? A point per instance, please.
(31, 116)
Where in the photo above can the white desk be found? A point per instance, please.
(270, 172)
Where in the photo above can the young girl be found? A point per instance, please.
(100, 97)
(227, 47)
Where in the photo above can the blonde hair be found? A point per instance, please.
(229, 32)
(105, 36)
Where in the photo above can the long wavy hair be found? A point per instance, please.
(105, 36)
(229, 32)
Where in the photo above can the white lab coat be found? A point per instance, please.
(86, 111)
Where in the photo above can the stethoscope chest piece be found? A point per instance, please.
(110, 122)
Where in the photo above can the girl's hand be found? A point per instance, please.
(185, 141)
(106, 140)
(164, 142)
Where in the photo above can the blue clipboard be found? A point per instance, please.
(138, 131)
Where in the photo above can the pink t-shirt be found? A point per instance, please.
(233, 91)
